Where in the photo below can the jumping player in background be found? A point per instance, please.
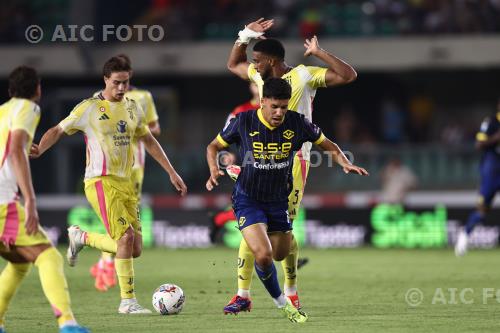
(269, 61)
(23, 241)
(112, 125)
(104, 270)
(488, 141)
(267, 140)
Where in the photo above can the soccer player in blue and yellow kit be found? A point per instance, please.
(112, 124)
(269, 61)
(267, 140)
(23, 241)
(488, 141)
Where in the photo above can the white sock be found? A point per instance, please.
(280, 301)
(291, 291)
(101, 263)
(126, 301)
(245, 293)
(69, 323)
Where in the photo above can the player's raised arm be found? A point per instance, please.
(212, 150)
(237, 62)
(154, 148)
(339, 72)
(339, 157)
(48, 140)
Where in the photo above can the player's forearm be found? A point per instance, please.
(212, 151)
(338, 66)
(238, 60)
(154, 149)
(21, 168)
(50, 138)
(335, 151)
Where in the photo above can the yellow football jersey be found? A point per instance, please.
(145, 100)
(17, 113)
(304, 81)
(111, 131)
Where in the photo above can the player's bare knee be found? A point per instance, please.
(264, 258)
(127, 239)
(136, 253)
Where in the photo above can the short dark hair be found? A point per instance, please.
(276, 88)
(116, 64)
(126, 58)
(23, 82)
(271, 47)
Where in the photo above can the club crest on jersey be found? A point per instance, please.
(242, 221)
(288, 134)
(121, 126)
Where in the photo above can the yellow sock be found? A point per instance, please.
(290, 269)
(101, 242)
(125, 271)
(54, 285)
(10, 279)
(245, 268)
(106, 256)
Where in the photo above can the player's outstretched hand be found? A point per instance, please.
(312, 46)
(178, 183)
(260, 25)
(31, 216)
(34, 151)
(355, 169)
(212, 181)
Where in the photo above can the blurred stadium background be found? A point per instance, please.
(428, 73)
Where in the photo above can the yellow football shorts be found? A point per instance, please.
(300, 170)
(12, 229)
(115, 202)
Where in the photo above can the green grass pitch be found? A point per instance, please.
(358, 290)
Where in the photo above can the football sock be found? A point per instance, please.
(269, 278)
(290, 269)
(245, 267)
(10, 279)
(125, 272)
(474, 218)
(224, 217)
(54, 285)
(100, 242)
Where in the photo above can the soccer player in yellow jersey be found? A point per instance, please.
(23, 242)
(104, 270)
(112, 124)
(269, 62)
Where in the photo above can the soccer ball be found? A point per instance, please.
(168, 299)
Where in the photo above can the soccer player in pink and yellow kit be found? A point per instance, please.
(104, 270)
(23, 241)
(112, 125)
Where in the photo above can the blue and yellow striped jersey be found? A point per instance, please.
(266, 153)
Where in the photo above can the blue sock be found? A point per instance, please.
(269, 278)
(474, 219)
